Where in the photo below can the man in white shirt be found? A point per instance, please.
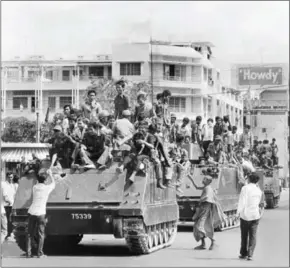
(249, 211)
(3, 219)
(247, 138)
(207, 135)
(123, 128)
(37, 211)
(9, 191)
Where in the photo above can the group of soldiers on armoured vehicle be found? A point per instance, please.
(89, 137)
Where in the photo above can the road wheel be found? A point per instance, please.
(270, 202)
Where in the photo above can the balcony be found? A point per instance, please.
(66, 83)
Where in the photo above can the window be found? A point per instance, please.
(64, 101)
(31, 75)
(177, 104)
(218, 76)
(20, 100)
(75, 72)
(51, 103)
(49, 75)
(24, 93)
(65, 75)
(97, 71)
(130, 69)
(209, 106)
(12, 73)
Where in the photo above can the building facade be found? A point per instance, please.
(266, 111)
(32, 85)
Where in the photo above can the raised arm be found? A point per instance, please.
(191, 178)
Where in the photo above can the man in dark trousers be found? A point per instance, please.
(37, 212)
(249, 211)
(121, 101)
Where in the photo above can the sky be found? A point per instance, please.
(242, 31)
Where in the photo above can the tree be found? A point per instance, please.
(19, 129)
(106, 92)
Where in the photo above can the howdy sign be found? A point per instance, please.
(260, 76)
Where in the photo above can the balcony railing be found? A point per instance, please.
(174, 78)
(11, 80)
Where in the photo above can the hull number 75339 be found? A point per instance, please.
(81, 216)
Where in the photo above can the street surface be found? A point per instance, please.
(99, 251)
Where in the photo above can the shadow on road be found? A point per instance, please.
(95, 251)
(185, 228)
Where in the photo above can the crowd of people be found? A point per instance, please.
(89, 138)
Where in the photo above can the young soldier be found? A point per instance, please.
(121, 101)
(144, 107)
(91, 108)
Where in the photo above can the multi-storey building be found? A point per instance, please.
(267, 111)
(31, 85)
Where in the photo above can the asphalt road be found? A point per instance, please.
(99, 251)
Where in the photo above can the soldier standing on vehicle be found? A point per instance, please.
(274, 151)
(121, 101)
(37, 212)
(91, 108)
(247, 138)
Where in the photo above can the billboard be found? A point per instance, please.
(260, 76)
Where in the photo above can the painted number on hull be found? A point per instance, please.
(81, 216)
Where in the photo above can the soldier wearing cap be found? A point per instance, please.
(121, 101)
(215, 149)
(62, 147)
(143, 107)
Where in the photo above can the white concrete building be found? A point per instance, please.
(183, 68)
(268, 113)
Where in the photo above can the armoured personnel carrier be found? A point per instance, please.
(271, 187)
(226, 186)
(102, 202)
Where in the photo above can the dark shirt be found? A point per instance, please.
(151, 139)
(94, 143)
(121, 104)
(60, 145)
(219, 129)
(215, 151)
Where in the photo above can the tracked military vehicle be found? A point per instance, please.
(271, 187)
(102, 202)
(227, 188)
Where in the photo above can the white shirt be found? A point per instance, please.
(249, 201)
(40, 194)
(207, 133)
(123, 128)
(9, 191)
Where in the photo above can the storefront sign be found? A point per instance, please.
(260, 76)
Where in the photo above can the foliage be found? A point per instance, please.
(106, 92)
(19, 129)
(23, 130)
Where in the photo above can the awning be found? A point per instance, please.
(15, 154)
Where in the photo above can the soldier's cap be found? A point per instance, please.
(173, 115)
(218, 138)
(42, 171)
(141, 94)
(126, 113)
(57, 128)
(104, 113)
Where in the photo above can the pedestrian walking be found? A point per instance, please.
(37, 212)
(3, 219)
(209, 214)
(249, 211)
(9, 190)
